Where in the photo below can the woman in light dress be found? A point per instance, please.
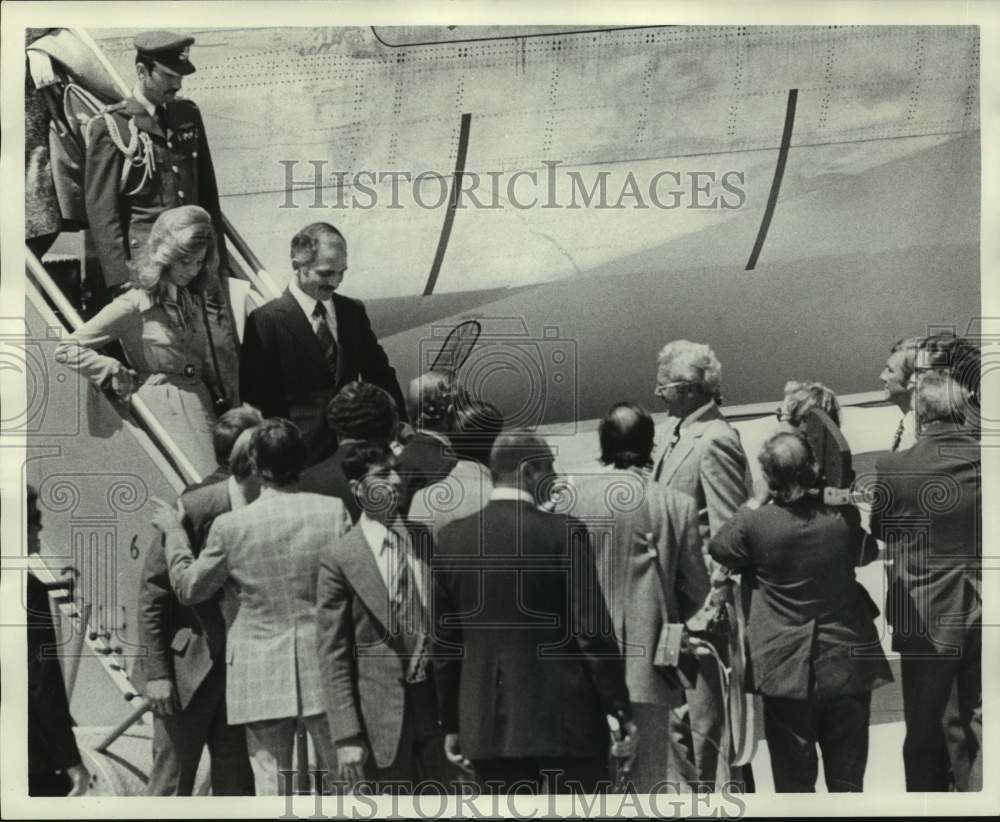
(177, 331)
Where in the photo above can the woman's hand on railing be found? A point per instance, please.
(122, 384)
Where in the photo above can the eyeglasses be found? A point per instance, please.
(662, 389)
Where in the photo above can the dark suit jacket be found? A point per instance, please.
(328, 478)
(362, 663)
(424, 459)
(51, 743)
(220, 474)
(928, 511)
(811, 628)
(184, 175)
(537, 664)
(284, 374)
(182, 643)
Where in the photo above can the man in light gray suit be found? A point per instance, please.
(648, 557)
(701, 456)
(271, 550)
(372, 609)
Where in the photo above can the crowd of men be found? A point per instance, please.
(415, 597)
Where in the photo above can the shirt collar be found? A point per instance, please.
(142, 101)
(307, 303)
(375, 532)
(236, 498)
(505, 492)
(696, 415)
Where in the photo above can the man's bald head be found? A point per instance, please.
(626, 436)
(788, 465)
(430, 397)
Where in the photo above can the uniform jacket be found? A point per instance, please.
(811, 628)
(708, 464)
(271, 548)
(621, 509)
(928, 511)
(51, 743)
(363, 662)
(283, 371)
(526, 662)
(121, 219)
(182, 643)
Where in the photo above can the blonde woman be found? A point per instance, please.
(176, 329)
(802, 396)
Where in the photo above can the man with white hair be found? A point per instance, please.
(701, 456)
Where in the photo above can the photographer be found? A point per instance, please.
(814, 650)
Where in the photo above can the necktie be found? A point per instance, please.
(161, 118)
(674, 439)
(325, 337)
(398, 582)
(898, 438)
(406, 608)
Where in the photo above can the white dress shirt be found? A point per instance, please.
(375, 533)
(308, 305)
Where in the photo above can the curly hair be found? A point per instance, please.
(801, 396)
(695, 363)
(178, 233)
(363, 411)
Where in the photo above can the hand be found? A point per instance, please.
(123, 383)
(166, 518)
(351, 756)
(80, 777)
(695, 645)
(722, 587)
(626, 747)
(453, 753)
(161, 696)
(40, 67)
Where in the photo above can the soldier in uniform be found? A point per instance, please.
(146, 154)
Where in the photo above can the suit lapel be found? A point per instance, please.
(673, 459)
(363, 574)
(298, 325)
(689, 436)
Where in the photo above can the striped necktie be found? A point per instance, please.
(325, 337)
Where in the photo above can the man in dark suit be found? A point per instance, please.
(360, 411)
(373, 619)
(814, 648)
(224, 434)
(54, 764)
(300, 348)
(130, 180)
(928, 512)
(184, 673)
(428, 456)
(528, 666)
